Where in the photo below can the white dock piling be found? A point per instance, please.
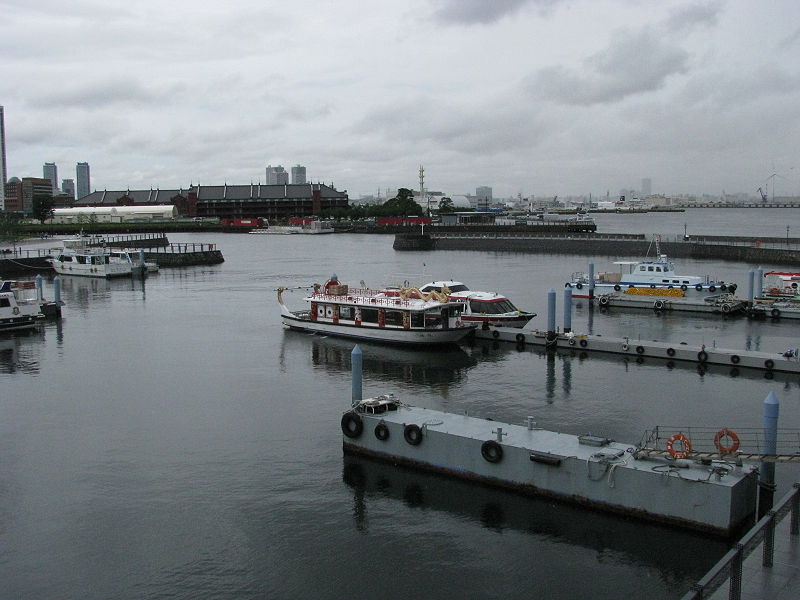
(767, 469)
(356, 361)
(567, 309)
(751, 275)
(39, 291)
(551, 316)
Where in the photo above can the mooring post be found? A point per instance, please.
(567, 309)
(766, 489)
(551, 317)
(760, 282)
(591, 282)
(39, 291)
(356, 359)
(750, 286)
(57, 290)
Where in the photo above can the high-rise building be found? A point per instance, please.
(82, 174)
(50, 171)
(647, 187)
(277, 175)
(3, 174)
(298, 174)
(484, 194)
(68, 187)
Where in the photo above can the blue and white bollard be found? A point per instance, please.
(767, 469)
(751, 286)
(567, 310)
(39, 290)
(57, 290)
(551, 317)
(356, 361)
(760, 282)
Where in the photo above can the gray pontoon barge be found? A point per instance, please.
(714, 495)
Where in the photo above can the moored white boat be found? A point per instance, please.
(368, 314)
(481, 308)
(781, 284)
(653, 274)
(19, 305)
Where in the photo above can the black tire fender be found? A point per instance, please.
(413, 434)
(352, 424)
(492, 451)
(382, 432)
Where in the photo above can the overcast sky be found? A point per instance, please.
(538, 97)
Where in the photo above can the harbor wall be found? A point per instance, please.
(18, 266)
(590, 245)
(185, 259)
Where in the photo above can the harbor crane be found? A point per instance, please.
(763, 195)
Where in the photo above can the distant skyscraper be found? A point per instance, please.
(50, 171)
(68, 187)
(277, 175)
(3, 174)
(484, 193)
(82, 173)
(298, 174)
(647, 186)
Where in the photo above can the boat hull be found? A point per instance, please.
(92, 270)
(17, 323)
(378, 334)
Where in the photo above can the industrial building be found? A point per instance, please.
(275, 202)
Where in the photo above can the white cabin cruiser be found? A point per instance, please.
(481, 308)
(19, 305)
(376, 315)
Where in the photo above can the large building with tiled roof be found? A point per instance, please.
(276, 202)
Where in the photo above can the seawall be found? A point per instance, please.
(597, 245)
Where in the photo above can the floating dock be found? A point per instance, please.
(702, 355)
(714, 496)
(723, 304)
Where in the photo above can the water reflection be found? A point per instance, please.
(549, 521)
(20, 351)
(440, 367)
(79, 293)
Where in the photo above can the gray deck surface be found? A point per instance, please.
(779, 582)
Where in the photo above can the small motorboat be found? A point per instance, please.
(19, 305)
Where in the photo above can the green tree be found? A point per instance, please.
(42, 207)
(10, 228)
(446, 205)
(402, 205)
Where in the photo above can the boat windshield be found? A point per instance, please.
(460, 287)
(492, 308)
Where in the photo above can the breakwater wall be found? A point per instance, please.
(18, 266)
(184, 255)
(588, 245)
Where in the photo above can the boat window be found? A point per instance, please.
(417, 319)
(369, 315)
(81, 259)
(491, 308)
(643, 268)
(675, 281)
(346, 313)
(433, 320)
(658, 269)
(394, 317)
(649, 268)
(5, 302)
(458, 288)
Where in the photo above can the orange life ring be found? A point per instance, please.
(721, 435)
(687, 446)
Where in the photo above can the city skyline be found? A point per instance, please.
(536, 97)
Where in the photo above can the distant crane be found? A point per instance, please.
(763, 195)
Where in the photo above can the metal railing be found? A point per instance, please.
(730, 565)
(181, 248)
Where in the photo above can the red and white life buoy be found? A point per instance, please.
(726, 441)
(683, 441)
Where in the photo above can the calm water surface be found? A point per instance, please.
(171, 440)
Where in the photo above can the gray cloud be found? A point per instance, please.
(102, 93)
(472, 12)
(632, 64)
(684, 19)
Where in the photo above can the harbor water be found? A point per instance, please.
(168, 439)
